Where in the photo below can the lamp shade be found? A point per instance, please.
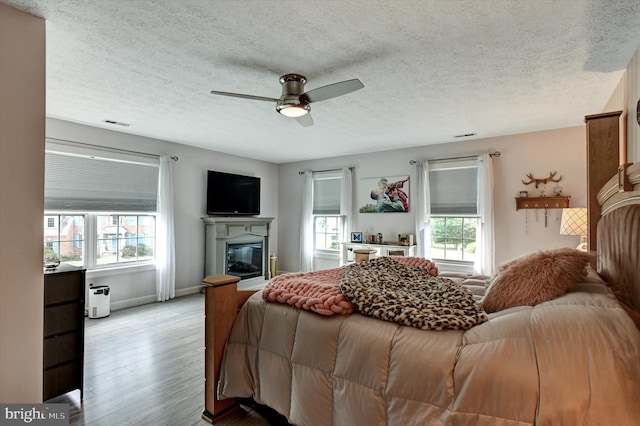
(574, 222)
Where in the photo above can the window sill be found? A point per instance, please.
(454, 266)
(119, 270)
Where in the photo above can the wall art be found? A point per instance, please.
(386, 194)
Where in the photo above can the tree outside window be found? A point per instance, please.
(327, 232)
(454, 238)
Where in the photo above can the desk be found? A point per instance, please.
(381, 250)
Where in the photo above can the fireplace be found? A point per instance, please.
(238, 246)
(244, 260)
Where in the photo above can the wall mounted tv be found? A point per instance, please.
(231, 194)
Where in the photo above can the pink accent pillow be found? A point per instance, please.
(535, 278)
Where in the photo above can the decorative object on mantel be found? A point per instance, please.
(574, 222)
(356, 237)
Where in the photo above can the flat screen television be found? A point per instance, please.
(231, 194)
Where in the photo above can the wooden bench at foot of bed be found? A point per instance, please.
(222, 301)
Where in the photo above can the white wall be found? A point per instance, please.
(562, 150)
(22, 109)
(190, 185)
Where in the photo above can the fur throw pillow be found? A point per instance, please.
(535, 278)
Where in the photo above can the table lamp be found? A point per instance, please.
(574, 222)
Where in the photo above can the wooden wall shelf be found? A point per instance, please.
(542, 202)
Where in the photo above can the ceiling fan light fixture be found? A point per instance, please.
(294, 101)
(293, 110)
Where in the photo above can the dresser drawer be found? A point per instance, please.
(60, 288)
(61, 349)
(62, 379)
(62, 318)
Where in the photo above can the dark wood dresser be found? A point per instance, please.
(63, 331)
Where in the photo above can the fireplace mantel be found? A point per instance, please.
(223, 230)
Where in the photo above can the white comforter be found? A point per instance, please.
(573, 360)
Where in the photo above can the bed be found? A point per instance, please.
(571, 359)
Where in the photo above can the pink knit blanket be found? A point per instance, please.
(319, 291)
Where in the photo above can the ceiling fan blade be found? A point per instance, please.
(305, 120)
(332, 90)
(240, 95)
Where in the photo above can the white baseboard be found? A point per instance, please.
(130, 303)
(187, 291)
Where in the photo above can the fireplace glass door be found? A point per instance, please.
(244, 260)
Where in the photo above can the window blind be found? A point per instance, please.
(454, 188)
(326, 193)
(99, 183)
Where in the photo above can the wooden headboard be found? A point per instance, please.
(618, 236)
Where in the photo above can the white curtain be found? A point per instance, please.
(422, 208)
(346, 204)
(306, 224)
(484, 263)
(165, 238)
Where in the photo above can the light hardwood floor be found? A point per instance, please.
(145, 366)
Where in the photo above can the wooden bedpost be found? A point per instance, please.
(222, 301)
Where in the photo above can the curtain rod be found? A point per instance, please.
(106, 148)
(301, 172)
(491, 154)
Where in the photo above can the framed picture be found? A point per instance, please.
(356, 237)
(388, 194)
(405, 239)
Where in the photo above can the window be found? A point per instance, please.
(100, 206)
(124, 238)
(63, 237)
(327, 222)
(327, 232)
(453, 238)
(453, 186)
(115, 244)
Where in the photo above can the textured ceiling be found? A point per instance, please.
(432, 69)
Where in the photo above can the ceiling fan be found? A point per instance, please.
(295, 102)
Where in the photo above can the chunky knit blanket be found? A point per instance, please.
(386, 289)
(319, 291)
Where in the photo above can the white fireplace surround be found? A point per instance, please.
(221, 230)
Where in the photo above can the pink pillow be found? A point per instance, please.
(535, 278)
(418, 261)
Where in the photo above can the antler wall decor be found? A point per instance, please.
(543, 181)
